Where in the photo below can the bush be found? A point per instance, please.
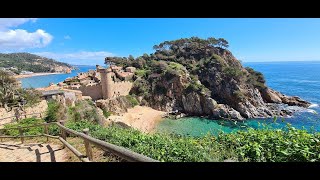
(253, 145)
(256, 78)
(163, 147)
(239, 95)
(140, 87)
(142, 72)
(274, 145)
(53, 114)
(53, 130)
(132, 100)
(31, 96)
(83, 110)
(106, 114)
(233, 72)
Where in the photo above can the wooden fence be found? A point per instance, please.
(88, 142)
(18, 117)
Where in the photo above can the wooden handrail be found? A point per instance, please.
(22, 115)
(26, 127)
(117, 150)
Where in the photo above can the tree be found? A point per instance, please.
(222, 43)
(8, 91)
(11, 95)
(131, 58)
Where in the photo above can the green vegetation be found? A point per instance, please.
(133, 100)
(12, 95)
(55, 111)
(106, 114)
(141, 87)
(142, 73)
(253, 145)
(233, 72)
(274, 145)
(29, 62)
(53, 130)
(260, 145)
(83, 110)
(201, 58)
(256, 78)
(239, 95)
(31, 96)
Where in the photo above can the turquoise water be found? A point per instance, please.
(44, 81)
(291, 78)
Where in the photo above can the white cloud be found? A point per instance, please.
(67, 37)
(14, 22)
(82, 57)
(19, 39)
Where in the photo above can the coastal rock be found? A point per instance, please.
(117, 105)
(226, 112)
(270, 96)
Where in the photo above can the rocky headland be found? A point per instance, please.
(200, 77)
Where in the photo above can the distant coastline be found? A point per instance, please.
(34, 74)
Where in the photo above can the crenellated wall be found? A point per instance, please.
(121, 88)
(94, 91)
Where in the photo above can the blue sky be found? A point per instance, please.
(90, 40)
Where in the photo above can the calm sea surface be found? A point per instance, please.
(43, 81)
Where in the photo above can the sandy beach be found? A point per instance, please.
(142, 118)
(34, 74)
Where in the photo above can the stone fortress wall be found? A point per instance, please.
(94, 91)
(121, 88)
(105, 88)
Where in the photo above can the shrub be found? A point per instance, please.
(274, 145)
(132, 100)
(239, 95)
(256, 78)
(53, 130)
(53, 110)
(252, 145)
(83, 110)
(142, 72)
(106, 114)
(233, 72)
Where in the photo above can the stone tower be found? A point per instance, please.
(106, 82)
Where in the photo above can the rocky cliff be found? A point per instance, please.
(201, 77)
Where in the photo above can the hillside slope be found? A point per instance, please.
(31, 62)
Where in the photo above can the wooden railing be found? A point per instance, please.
(22, 115)
(88, 141)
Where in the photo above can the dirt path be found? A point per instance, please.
(11, 151)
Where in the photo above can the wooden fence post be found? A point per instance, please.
(87, 145)
(21, 134)
(63, 133)
(40, 115)
(46, 130)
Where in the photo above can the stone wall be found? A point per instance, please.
(94, 91)
(121, 88)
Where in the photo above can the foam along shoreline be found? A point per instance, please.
(142, 118)
(34, 74)
(313, 106)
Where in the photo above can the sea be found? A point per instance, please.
(44, 81)
(291, 78)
